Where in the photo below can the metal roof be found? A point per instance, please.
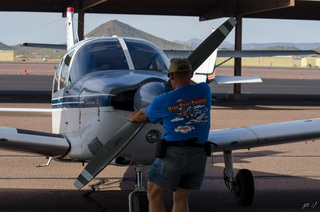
(204, 9)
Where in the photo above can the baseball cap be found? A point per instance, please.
(179, 65)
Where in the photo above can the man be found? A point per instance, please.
(185, 112)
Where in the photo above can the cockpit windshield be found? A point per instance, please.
(98, 55)
(108, 54)
(146, 56)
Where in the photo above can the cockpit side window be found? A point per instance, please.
(64, 73)
(97, 56)
(146, 56)
(56, 77)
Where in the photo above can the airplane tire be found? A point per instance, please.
(244, 187)
(140, 202)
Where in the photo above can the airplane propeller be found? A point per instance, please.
(211, 43)
(108, 152)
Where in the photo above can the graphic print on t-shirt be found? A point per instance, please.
(191, 112)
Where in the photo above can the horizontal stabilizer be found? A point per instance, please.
(42, 143)
(45, 45)
(237, 79)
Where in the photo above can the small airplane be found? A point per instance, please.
(100, 81)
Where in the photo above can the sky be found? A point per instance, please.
(20, 27)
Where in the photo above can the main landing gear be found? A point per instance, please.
(138, 201)
(242, 185)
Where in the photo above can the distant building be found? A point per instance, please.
(310, 62)
(6, 55)
(286, 61)
(281, 62)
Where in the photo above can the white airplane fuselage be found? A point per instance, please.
(97, 85)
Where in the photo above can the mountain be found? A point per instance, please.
(301, 46)
(120, 29)
(252, 46)
(192, 42)
(4, 47)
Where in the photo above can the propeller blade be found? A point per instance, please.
(202, 52)
(108, 152)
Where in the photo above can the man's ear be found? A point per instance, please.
(191, 74)
(171, 76)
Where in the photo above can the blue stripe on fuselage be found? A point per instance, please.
(82, 101)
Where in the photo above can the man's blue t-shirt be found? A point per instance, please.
(185, 112)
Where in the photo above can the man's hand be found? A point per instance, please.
(138, 116)
(131, 116)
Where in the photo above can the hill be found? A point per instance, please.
(255, 46)
(4, 47)
(120, 29)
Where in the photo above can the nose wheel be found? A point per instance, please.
(138, 200)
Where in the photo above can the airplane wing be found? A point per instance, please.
(27, 111)
(36, 142)
(242, 53)
(42, 143)
(265, 135)
(263, 53)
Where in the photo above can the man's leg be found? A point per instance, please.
(156, 195)
(180, 200)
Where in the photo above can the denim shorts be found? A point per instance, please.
(182, 167)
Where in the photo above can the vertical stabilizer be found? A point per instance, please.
(206, 71)
(70, 32)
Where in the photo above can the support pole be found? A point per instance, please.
(237, 62)
(81, 25)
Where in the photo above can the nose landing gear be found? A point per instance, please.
(138, 200)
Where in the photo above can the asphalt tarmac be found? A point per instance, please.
(37, 88)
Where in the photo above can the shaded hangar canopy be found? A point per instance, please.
(204, 9)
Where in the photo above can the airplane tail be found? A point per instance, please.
(204, 57)
(206, 71)
(70, 32)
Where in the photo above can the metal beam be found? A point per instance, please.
(257, 6)
(86, 4)
(244, 7)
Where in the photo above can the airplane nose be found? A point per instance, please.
(146, 93)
